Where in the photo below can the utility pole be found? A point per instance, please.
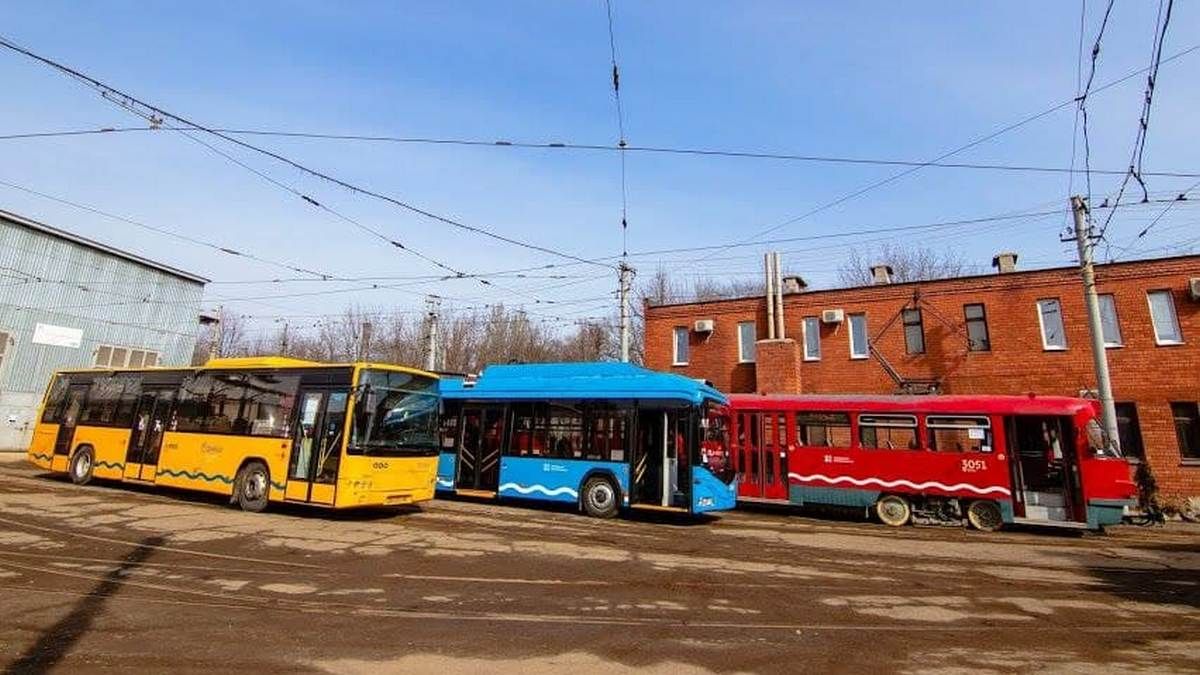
(364, 341)
(432, 305)
(283, 339)
(625, 287)
(218, 333)
(1083, 241)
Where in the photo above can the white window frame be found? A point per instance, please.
(1174, 317)
(866, 351)
(804, 329)
(675, 360)
(741, 339)
(1046, 346)
(1112, 300)
(128, 352)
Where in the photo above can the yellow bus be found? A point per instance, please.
(257, 429)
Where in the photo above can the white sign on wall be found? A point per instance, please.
(57, 336)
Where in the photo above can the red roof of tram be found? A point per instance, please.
(974, 403)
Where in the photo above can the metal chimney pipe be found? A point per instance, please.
(779, 329)
(770, 278)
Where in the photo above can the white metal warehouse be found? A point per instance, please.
(70, 302)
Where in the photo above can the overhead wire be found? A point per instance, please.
(159, 115)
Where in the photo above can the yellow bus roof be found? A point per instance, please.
(260, 362)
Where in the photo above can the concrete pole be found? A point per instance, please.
(1108, 410)
(431, 333)
(625, 286)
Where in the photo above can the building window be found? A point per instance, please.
(1108, 321)
(859, 349)
(1054, 336)
(1187, 428)
(812, 338)
(978, 339)
(5, 338)
(1166, 323)
(746, 339)
(914, 331)
(680, 355)
(108, 356)
(1129, 431)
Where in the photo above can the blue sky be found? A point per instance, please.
(882, 80)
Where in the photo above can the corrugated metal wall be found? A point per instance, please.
(113, 301)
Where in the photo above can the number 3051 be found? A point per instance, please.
(971, 465)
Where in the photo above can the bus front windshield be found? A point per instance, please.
(395, 414)
(714, 449)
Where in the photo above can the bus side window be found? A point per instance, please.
(528, 430)
(54, 399)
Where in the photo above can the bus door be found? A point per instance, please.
(764, 442)
(479, 448)
(72, 406)
(317, 441)
(662, 438)
(150, 423)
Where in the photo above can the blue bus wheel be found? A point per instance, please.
(599, 498)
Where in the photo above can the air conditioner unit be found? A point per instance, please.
(833, 316)
(1194, 288)
(705, 326)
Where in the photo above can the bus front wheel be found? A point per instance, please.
(984, 515)
(82, 463)
(893, 510)
(251, 487)
(599, 498)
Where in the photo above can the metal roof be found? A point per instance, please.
(938, 403)
(84, 241)
(593, 380)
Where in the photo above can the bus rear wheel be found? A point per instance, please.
(985, 516)
(893, 510)
(251, 487)
(599, 498)
(82, 464)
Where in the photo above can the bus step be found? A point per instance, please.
(1045, 512)
(1052, 499)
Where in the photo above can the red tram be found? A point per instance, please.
(985, 460)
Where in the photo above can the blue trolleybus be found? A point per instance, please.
(606, 436)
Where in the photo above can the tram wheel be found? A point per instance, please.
(82, 464)
(893, 510)
(251, 487)
(599, 498)
(985, 515)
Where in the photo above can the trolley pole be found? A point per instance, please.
(432, 304)
(1085, 245)
(625, 287)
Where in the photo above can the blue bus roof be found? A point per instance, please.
(595, 380)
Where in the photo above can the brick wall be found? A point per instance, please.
(1145, 373)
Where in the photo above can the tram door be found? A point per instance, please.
(150, 423)
(479, 448)
(764, 440)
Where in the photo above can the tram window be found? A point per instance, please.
(959, 434)
(565, 432)
(609, 431)
(888, 432)
(528, 430)
(823, 429)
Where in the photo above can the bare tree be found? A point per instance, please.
(909, 262)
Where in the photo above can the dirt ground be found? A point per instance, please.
(104, 578)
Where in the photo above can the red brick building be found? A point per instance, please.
(1013, 332)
